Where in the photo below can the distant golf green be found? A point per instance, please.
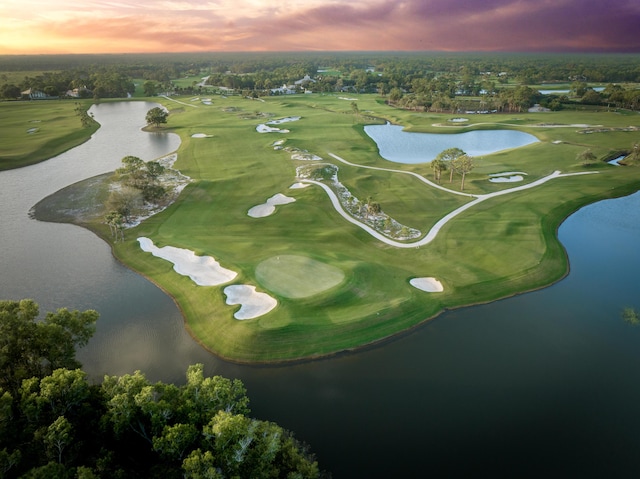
(297, 276)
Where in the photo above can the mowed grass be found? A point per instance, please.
(33, 131)
(294, 276)
(498, 248)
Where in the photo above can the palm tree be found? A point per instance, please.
(463, 164)
(438, 165)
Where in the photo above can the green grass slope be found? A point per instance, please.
(502, 246)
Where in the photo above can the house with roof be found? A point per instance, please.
(33, 94)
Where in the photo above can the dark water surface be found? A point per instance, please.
(545, 384)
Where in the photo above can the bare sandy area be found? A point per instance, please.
(297, 186)
(269, 207)
(203, 270)
(428, 284)
(201, 135)
(252, 303)
(262, 128)
(283, 120)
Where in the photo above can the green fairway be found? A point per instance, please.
(34, 131)
(337, 285)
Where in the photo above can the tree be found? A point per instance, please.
(115, 221)
(57, 437)
(124, 201)
(130, 427)
(29, 347)
(586, 157)
(156, 116)
(463, 164)
(150, 88)
(438, 165)
(449, 156)
(355, 109)
(10, 91)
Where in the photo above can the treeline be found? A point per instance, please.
(95, 83)
(55, 424)
(431, 78)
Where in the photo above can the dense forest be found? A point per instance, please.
(56, 424)
(422, 81)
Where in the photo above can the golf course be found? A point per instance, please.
(295, 239)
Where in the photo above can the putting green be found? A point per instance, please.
(297, 276)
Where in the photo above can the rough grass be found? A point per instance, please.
(501, 247)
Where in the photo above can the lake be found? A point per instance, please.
(399, 146)
(544, 384)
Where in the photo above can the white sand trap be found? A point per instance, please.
(252, 304)
(304, 156)
(32, 130)
(201, 135)
(283, 120)
(203, 270)
(297, 186)
(430, 285)
(262, 128)
(266, 209)
(458, 120)
(348, 99)
(506, 179)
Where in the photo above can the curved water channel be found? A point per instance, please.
(544, 384)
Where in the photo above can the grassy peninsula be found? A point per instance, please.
(502, 246)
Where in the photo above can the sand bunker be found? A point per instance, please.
(201, 135)
(283, 120)
(507, 177)
(268, 208)
(305, 156)
(430, 285)
(458, 120)
(203, 270)
(297, 186)
(262, 128)
(252, 303)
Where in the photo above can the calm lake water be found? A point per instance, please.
(544, 384)
(401, 146)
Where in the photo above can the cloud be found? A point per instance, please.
(233, 25)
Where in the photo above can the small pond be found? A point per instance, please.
(401, 146)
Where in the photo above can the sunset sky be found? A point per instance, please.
(128, 26)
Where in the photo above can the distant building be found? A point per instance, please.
(32, 94)
(284, 90)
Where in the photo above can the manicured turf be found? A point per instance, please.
(33, 131)
(297, 276)
(498, 248)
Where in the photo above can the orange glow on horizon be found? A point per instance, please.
(146, 26)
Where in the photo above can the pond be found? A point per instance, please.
(401, 146)
(542, 384)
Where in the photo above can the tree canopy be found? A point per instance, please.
(55, 424)
(156, 116)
